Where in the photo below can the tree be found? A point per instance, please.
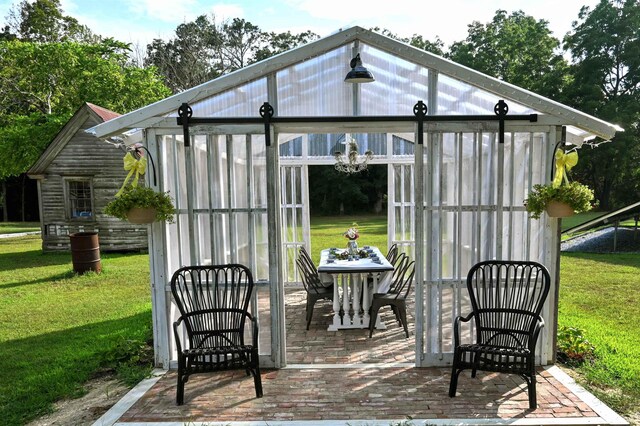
(415, 40)
(56, 78)
(43, 21)
(204, 49)
(515, 48)
(331, 188)
(604, 45)
(274, 43)
(190, 58)
(43, 84)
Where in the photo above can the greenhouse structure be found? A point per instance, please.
(462, 151)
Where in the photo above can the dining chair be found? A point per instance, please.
(402, 281)
(304, 254)
(313, 286)
(506, 299)
(392, 253)
(213, 302)
(399, 263)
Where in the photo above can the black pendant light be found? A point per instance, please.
(358, 73)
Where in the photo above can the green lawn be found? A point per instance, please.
(599, 294)
(57, 329)
(16, 227)
(327, 231)
(578, 219)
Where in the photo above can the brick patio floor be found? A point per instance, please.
(355, 393)
(375, 390)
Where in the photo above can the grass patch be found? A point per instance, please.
(578, 219)
(599, 295)
(58, 329)
(327, 231)
(16, 227)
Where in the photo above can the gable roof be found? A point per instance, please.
(154, 113)
(75, 123)
(103, 113)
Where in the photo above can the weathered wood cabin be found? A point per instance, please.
(77, 175)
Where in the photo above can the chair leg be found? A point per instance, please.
(372, 319)
(395, 312)
(310, 304)
(403, 319)
(257, 380)
(180, 390)
(181, 381)
(531, 384)
(453, 384)
(474, 370)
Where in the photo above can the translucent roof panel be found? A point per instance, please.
(399, 83)
(241, 101)
(316, 87)
(458, 98)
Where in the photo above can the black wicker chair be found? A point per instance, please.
(506, 300)
(213, 302)
(397, 295)
(312, 284)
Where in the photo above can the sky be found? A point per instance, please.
(140, 21)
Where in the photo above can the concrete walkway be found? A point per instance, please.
(19, 234)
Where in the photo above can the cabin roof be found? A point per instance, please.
(65, 134)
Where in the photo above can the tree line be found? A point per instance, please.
(50, 64)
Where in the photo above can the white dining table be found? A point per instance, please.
(350, 276)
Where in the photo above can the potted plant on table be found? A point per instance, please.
(560, 198)
(352, 235)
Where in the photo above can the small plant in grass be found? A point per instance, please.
(579, 197)
(142, 197)
(573, 347)
(132, 359)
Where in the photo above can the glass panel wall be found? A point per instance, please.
(399, 83)
(473, 211)
(458, 98)
(316, 86)
(225, 177)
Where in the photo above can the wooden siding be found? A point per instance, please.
(85, 156)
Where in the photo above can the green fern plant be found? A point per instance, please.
(143, 197)
(578, 196)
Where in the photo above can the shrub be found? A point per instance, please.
(573, 347)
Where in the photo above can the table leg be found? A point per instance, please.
(366, 301)
(336, 305)
(346, 319)
(357, 318)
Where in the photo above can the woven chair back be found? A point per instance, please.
(214, 301)
(507, 297)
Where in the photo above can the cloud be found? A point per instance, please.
(164, 10)
(224, 12)
(428, 18)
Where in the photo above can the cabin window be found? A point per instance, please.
(79, 199)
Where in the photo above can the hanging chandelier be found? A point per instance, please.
(351, 162)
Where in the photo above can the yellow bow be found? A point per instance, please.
(564, 163)
(134, 166)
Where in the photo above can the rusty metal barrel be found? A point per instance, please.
(85, 252)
